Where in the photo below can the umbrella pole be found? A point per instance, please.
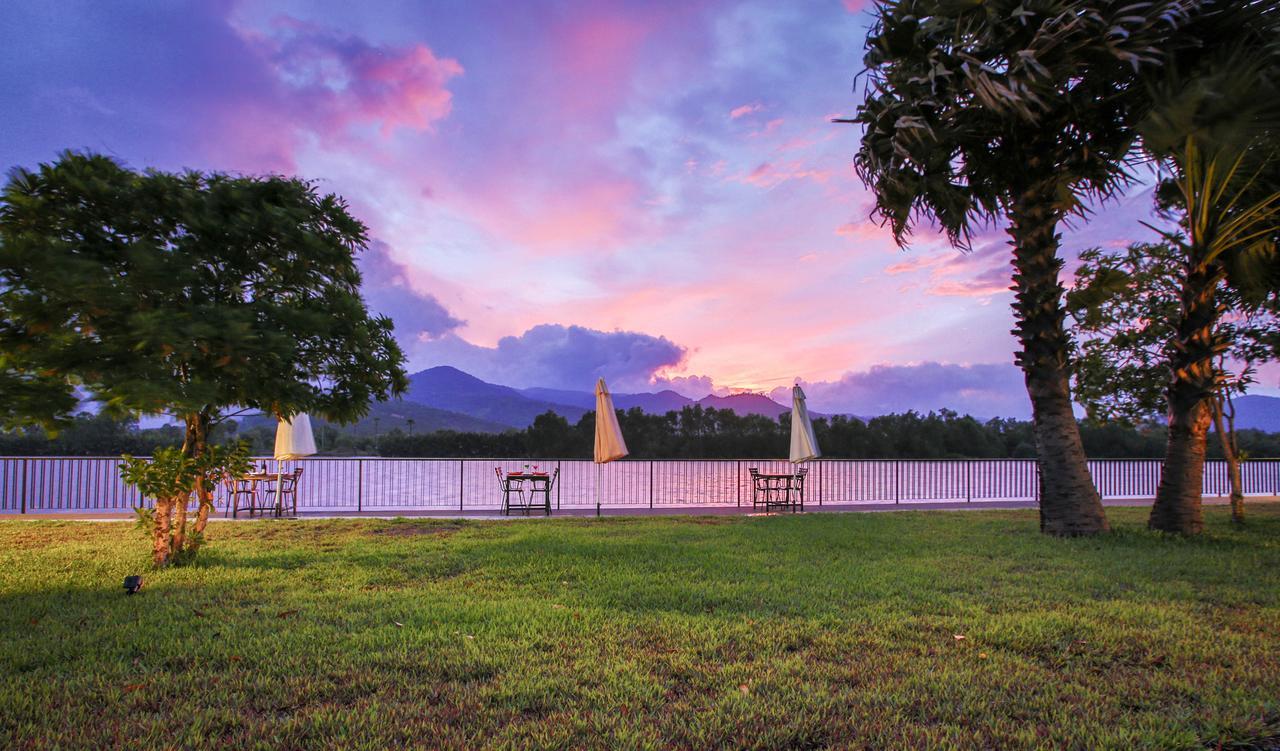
(597, 490)
(279, 482)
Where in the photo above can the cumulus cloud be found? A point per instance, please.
(561, 357)
(419, 317)
(693, 386)
(983, 390)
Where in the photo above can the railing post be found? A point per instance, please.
(737, 481)
(359, 485)
(22, 494)
(462, 477)
(897, 481)
(650, 483)
(559, 482)
(1040, 481)
(968, 482)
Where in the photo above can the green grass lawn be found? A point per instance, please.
(908, 630)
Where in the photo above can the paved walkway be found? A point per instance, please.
(629, 511)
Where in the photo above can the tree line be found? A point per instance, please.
(694, 432)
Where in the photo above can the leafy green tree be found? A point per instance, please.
(1126, 306)
(1214, 126)
(169, 478)
(28, 398)
(189, 294)
(1023, 111)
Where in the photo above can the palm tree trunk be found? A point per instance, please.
(1191, 391)
(1069, 502)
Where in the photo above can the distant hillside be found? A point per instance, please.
(1256, 412)
(658, 404)
(451, 389)
(745, 404)
(385, 416)
(664, 401)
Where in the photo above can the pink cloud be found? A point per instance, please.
(865, 230)
(744, 110)
(332, 81)
(768, 175)
(980, 273)
(561, 217)
(993, 281)
(915, 264)
(769, 127)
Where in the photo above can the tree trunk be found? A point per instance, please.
(1231, 453)
(160, 543)
(1069, 502)
(1192, 387)
(194, 443)
(204, 493)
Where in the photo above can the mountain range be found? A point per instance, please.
(445, 398)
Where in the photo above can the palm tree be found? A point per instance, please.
(1005, 109)
(1214, 124)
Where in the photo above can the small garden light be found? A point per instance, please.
(132, 584)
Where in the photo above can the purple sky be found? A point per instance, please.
(559, 190)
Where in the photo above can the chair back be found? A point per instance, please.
(505, 482)
(800, 474)
(555, 476)
(760, 483)
(290, 481)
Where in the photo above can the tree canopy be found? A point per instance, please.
(190, 294)
(156, 292)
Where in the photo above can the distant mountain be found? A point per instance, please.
(664, 401)
(658, 404)
(745, 404)
(390, 415)
(448, 388)
(1257, 412)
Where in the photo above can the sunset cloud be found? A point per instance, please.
(562, 357)
(338, 80)
(657, 184)
(983, 390)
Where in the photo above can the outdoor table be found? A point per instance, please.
(258, 479)
(776, 489)
(541, 482)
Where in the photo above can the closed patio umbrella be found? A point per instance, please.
(804, 445)
(609, 442)
(294, 440)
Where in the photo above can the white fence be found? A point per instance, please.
(55, 484)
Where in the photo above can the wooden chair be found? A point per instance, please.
(761, 490)
(798, 486)
(288, 491)
(510, 486)
(544, 488)
(238, 488)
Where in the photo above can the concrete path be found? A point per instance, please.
(481, 514)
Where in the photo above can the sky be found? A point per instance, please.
(652, 192)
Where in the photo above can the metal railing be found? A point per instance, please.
(57, 484)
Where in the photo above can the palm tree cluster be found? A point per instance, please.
(1023, 113)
